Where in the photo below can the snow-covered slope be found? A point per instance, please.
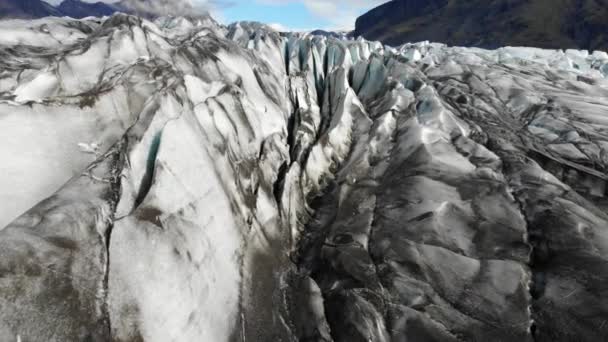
(184, 181)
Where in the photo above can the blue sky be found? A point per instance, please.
(283, 14)
(296, 14)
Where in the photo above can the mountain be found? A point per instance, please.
(580, 24)
(27, 9)
(79, 9)
(178, 180)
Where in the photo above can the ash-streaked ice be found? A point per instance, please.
(181, 180)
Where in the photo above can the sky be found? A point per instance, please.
(297, 15)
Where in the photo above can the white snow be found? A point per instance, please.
(200, 286)
(40, 149)
(37, 89)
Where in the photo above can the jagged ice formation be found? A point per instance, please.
(179, 180)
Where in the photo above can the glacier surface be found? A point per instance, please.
(180, 180)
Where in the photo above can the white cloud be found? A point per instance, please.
(278, 27)
(171, 7)
(341, 14)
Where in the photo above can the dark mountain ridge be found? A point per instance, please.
(80, 9)
(32, 9)
(27, 9)
(556, 24)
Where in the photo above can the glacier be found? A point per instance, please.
(182, 180)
